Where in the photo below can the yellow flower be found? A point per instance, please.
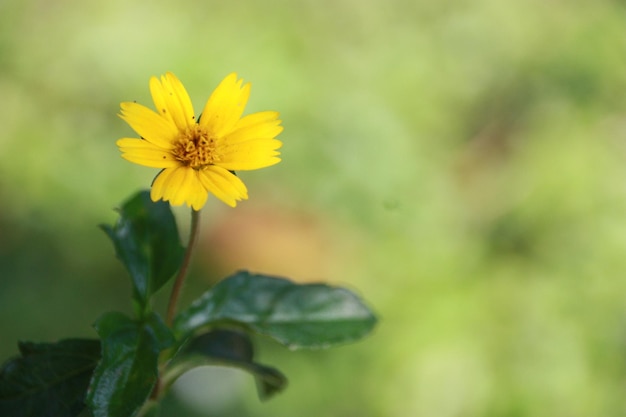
(198, 156)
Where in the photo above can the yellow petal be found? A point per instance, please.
(225, 106)
(223, 184)
(179, 185)
(250, 164)
(172, 101)
(145, 153)
(164, 184)
(149, 125)
(160, 99)
(200, 194)
(256, 118)
(157, 192)
(261, 129)
(252, 154)
(150, 159)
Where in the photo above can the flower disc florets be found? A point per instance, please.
(195, 148)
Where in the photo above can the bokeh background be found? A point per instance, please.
(460, 164)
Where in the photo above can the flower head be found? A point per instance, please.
(198, 156)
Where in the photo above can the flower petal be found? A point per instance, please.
(255, 118)
(145, 153)
(263, 125)
(251, 154)
(223, 184)
(149, 125)
(200, 194)
(157, 192)
(172, 101)
(225, 106)
(179, 185)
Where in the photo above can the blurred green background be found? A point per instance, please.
(461, 164)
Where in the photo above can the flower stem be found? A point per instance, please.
(182, 272)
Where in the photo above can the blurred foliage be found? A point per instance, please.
(464, 161)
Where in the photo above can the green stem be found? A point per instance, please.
(182, 272)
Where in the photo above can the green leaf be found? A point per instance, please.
(226, 347)
(128, 371)
(146, 240)
(48, 379)
(296, 315)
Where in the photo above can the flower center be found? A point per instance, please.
(195, 148)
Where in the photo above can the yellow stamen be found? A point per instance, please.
(195, 148)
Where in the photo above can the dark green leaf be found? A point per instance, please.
(296, 315)
(128, 370)
(227, 347)
(49, 379)
(146, 240)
